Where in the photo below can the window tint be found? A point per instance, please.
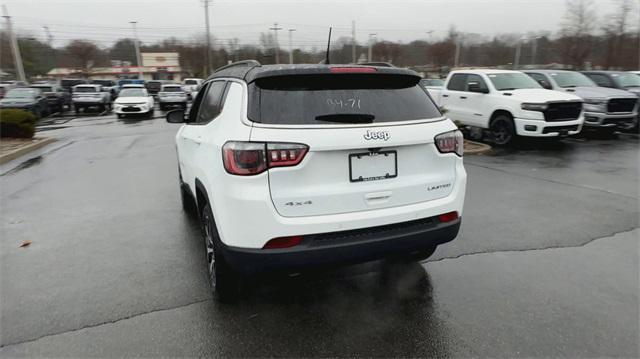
(601, 80)
(475, 78)
(335, 100)
(211, 102)
(457, 82)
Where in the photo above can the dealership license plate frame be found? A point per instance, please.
(388, 160)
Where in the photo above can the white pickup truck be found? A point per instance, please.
(508, 104)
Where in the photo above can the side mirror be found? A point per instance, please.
(475, 87)
(175, 116)
(545, 84)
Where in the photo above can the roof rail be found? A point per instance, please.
(247, 63)
(379, 64)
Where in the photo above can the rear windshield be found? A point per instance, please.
(339, 99)
(43, 88)
(172, 89)
(85, 89)
(190, 82)
(102, 82)
(70, 83)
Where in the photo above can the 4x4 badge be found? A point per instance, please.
(377, 135)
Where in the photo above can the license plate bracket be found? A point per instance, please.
(373, 166)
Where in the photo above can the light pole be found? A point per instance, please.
(275, 29)
(370, 57)
(516, 60)
(291, 45)
(456, 59)
(534, 50)
(137, 47)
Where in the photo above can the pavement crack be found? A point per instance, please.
(551, 181)
(528, 249)
(104, 323)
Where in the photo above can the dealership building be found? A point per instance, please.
(155, 66)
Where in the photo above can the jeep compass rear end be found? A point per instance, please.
(293, 167)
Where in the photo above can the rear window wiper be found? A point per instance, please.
(347, 118)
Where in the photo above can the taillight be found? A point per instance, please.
(283, 242)
(252, 158)
(449, 142)
(448, 217)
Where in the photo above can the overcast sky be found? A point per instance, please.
(106, 20)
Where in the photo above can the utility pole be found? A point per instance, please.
(137, 47)
(370, 57)
(17, 59)
(275, 29)
(291, 45)
(353, 42)
(50, 41)
(208, 47)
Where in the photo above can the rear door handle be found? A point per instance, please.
(198, 140)
(463, 97)
(445, 95)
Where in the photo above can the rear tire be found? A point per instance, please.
(502, 130)
(120, 115)
(225, 282)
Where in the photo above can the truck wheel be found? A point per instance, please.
(502, 130)
(225, 283)
(76, 109)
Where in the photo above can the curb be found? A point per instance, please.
(482, 148)
(26, 149)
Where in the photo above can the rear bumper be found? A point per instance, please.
(541, 128)
(605, 120)
(345, 247)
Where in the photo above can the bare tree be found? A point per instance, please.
(615, 29)
(577, 30)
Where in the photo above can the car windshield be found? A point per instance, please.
(102, 82)
(347, 99)
(626, 80)
(132, 92)
(21, 93)
(512, 81)
(572, 79)
(172, 89)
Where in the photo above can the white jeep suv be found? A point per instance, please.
(299, 166)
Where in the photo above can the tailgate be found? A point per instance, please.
(351, 169)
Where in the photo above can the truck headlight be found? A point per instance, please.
(594, 105)
(534, 106)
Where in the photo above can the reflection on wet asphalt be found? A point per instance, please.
(116, 269)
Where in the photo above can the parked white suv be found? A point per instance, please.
(508, 104)
(303, 166)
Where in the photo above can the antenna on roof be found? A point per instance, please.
(327, 61)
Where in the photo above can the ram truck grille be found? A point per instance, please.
(563, 111)
(617, 105)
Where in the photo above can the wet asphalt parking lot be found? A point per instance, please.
(546, 263)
